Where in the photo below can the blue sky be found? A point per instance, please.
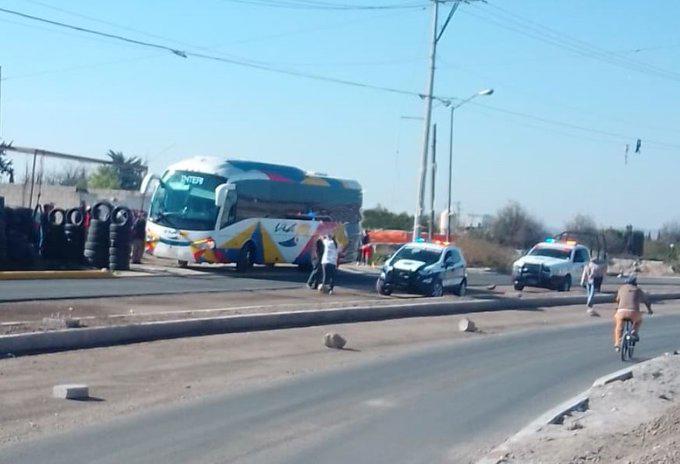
(66, 91)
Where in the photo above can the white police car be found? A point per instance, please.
(551, 264)
(424, 268)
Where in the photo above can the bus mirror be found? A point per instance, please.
(222, 192)
(144, 187)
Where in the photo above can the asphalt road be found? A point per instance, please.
(447, 402)
(259, 279)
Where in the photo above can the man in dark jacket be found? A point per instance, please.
(138, 238)
(317, 270)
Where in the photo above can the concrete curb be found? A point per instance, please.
(69, 339)
(556, 414)
(46, 275)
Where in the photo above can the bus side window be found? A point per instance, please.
(228, 218)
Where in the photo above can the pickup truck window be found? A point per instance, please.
(551, 253)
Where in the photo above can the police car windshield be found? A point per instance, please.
(551, 252)
(417, 254)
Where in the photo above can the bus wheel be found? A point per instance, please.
(182, 264)
(246, 258)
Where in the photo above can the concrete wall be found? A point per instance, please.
(68, 197)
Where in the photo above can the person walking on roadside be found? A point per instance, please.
(592, 276)
(138, 238)
(317, 273)
(329, 263)
(628, 301)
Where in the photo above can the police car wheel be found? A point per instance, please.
(461, 290)
(381, 288)
(437, 289)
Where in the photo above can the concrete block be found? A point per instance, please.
(71, 391)
(334, 340)
(57, 323)
(466, 325)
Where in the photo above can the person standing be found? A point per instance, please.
(317, 273)
(593, 274)
(138, 238)
(329, 263)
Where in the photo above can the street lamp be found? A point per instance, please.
(450, 104)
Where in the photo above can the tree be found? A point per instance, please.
(5, 164)
(130, 171)
(514, 226)
(581, 223)
(586, 228)
(381, 218)
(670, 232)
(104, 177)
(70, 177)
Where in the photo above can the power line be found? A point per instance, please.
(516, 23)
(315, 5)
(264, 67)
(237, 61)
(112, 24)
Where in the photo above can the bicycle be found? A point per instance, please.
(628, 341)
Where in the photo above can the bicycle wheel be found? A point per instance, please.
(624, 347)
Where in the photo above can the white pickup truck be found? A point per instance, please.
(551, 265)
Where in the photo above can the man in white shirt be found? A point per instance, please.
(329, 263)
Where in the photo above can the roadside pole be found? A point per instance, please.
(432, 179)
(448, 203)
(428, 118)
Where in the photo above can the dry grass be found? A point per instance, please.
(483, 253)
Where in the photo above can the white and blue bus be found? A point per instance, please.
(213, 210)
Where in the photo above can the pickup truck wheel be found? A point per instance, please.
(566, 284)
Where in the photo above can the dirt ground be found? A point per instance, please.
(635, 421)
(26, 316)
(126, 379)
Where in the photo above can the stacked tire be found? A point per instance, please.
(97, 244)
(20, 235)
(3, 237)
(54, 246)
(120, 233)
(74, 235)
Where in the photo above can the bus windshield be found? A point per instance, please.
(186, 200)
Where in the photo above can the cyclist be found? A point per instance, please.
(628, 301)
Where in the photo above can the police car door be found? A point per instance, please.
(581, 257)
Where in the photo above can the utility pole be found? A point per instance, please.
(0, 102)
(428, 118)
(436, 36)
(434, 172)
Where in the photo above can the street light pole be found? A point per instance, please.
(428, 118)
(453, 107)
(448, 203)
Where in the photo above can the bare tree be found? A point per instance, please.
(514, 226)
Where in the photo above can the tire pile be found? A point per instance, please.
(21, 232)
(54, 244)
(97, 244)
(74, 236)
(3, 236)
(120, 234)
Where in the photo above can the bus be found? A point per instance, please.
(216, 210)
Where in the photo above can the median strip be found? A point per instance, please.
(48, 275)
(69, 339)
